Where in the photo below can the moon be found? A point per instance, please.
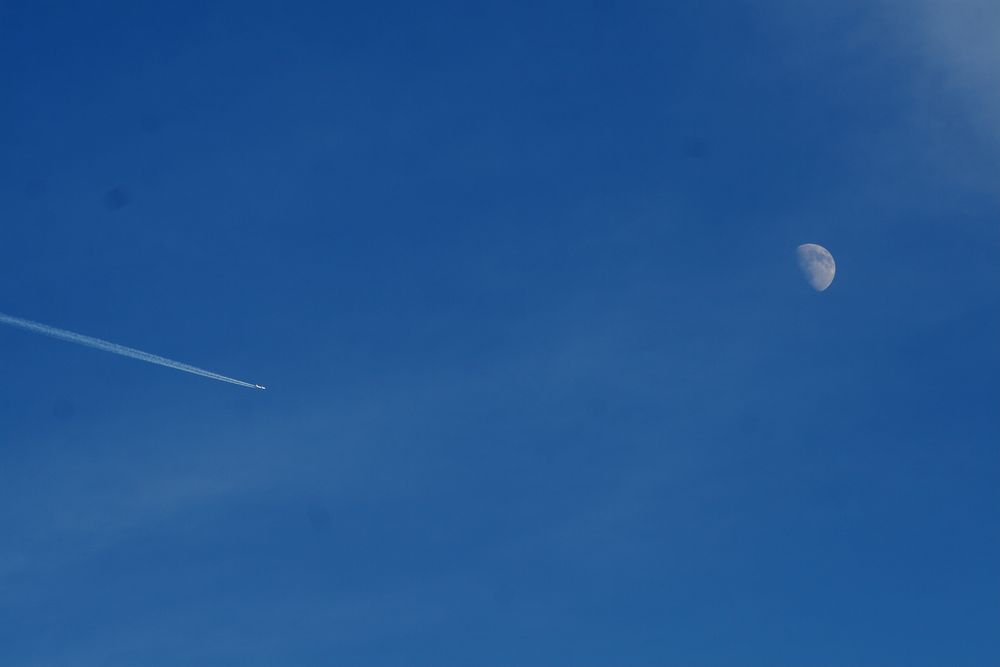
(817, 265)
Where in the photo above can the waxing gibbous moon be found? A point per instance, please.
(817, 265)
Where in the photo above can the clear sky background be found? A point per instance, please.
(545, 385)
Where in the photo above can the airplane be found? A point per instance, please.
(260, 386)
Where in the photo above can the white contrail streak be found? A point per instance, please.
(115, 348)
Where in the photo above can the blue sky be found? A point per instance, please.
(545, 386)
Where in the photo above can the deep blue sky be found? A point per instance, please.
(546, 387)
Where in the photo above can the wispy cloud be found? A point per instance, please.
(958, 48)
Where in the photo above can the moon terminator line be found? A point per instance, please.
(122, 350)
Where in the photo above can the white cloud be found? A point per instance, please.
(956, 41)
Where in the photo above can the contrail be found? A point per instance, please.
(115, 348)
